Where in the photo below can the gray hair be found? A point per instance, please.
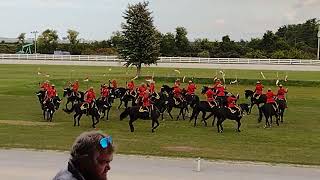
(87, 143)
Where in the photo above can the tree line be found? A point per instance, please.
(296, 41)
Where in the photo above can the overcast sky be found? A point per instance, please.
(97, 19)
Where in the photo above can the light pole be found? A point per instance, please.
(318, 43)
(35, 41)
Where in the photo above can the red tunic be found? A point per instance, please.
(104, 92)
(191, 89)
(259, 89)
(220, 91)
(210, 95)
(90, 96)
(46, 86)
(270, 96)
(231, 101)
(114, 84)
(146, 100)
(281, 93)
(142, 90)
(176, 91)
(152, 87)
(75, 87)
(130, 86)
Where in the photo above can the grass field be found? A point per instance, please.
(295, 141)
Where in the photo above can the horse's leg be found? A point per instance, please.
(184, 113)
(218, 125)
(260, 114)
(239, 124)
(120, 104)
(108, 113)
(155, 120)
(131, 124)
(204, 118)
(75, 119)
(221, 125)
(169, 112)
(195, 118)
(214, 119)
(80, 115)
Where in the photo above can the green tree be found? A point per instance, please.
(48, 41)
(141, 40)
(21, 38)
(116, 40)
(74, 42)
(73, 36)
(167, 45)
(182, 42)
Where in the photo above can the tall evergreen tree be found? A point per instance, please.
(141, 40)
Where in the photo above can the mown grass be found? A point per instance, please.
(295, 141)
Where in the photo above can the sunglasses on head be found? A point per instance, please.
(105, 142)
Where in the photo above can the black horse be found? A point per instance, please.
(49, 107)
(171, 102)
(71, 97)
(282, 107)
(254, 101)
(191, 100)
(134, 114)
(269, 110)
(160, 100)
(204, 107)
(225, 113)
(128, 97)
(104, 107)
(79, 111)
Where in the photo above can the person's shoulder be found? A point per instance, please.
(64, 174)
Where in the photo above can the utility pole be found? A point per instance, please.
(318, 43)
(35, 41)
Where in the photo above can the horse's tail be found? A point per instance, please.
(125, 113)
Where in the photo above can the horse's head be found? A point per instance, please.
(66, 91)
(248, 93)
(167, 89)
(204, 89)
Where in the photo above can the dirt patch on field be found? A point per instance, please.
(181, 148)
(26, 123)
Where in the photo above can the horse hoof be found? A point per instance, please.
(265, 126)
(238, 130)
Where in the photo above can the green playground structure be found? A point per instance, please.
(26, 49)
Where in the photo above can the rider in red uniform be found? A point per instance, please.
(114, 84)
(152, 87)
(75, 88)
(141, 91)
(281, 95)
(45, 85)
(130, 86)
(259, 90)
(191, 88)
(177, 92)
(217, 82)
(271, 98)
(50, 94)
(232, 103)
(90, 97)
(210, 97)
(220, 90)
(104, 93)
(145, 102)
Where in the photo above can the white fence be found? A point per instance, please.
(161, 59)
